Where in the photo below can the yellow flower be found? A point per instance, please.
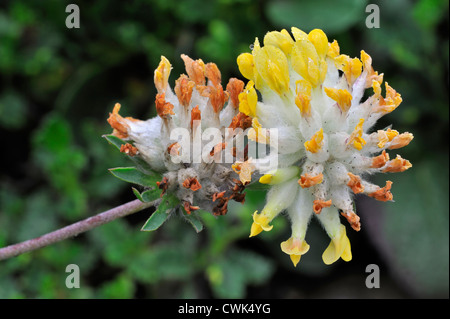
(314, 96)
(248, 100)
(356, 137)
(339, 247)
(260, 223)
(295, 248)
(315, 143)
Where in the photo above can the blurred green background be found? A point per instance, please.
(57, 86)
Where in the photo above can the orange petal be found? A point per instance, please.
(183, 89)
(189, 208)
(397, 165)
(213, 74)
(174, 149)
(195, 69)
(307, 180)
(353, 220)
(117, 122)
(401, 141)
(380, 160)
(128, 149)
(196, 115)
(163, 108)
(217, 149)
(318, 204)
(234, 88)
(355, 183)
(383, 194)
(192, 184)
(241, 120)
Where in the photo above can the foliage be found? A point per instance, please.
(57, 86)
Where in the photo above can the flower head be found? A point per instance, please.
(313, 95)
(197, 171)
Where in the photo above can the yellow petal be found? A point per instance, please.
(255, 230)
(303, 97)
(299, 34)
(376, 86)
(265, 179)
(352, 68)
(320, 41)
(257, 133)
(315, 143)
(341, 96)
(161, 76)
(260, 223)
(306, 62)
(246, 65)
(271, 63)
(295, 248)
(347, 253)
(394, 95)
(339, 247)
(295, 259)
(333, 49)
(280, 40)
(304, 56)
(280, 175)
(248, 100)
(262, 220)
(356, 137)
(386, 136)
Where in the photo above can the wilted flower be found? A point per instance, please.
(173, 143)
(313, 95)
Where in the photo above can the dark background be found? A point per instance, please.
(57, 86)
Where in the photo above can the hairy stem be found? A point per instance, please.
(74, 229)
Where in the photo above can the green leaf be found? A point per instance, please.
(230, 275)
(168, 203)
(121, 287)
(118, 142)
(114, 140)
(13, 110)
(160, 262)
(428, 13)
(147, 196)
(195, 222)
(156, 220)
(135, 176)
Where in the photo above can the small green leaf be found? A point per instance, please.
(118, 142)
(148, 195)
(114, 140)
(168, 203)
(195, 222)
(155, 221)
(137, 194)
(135, 176)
